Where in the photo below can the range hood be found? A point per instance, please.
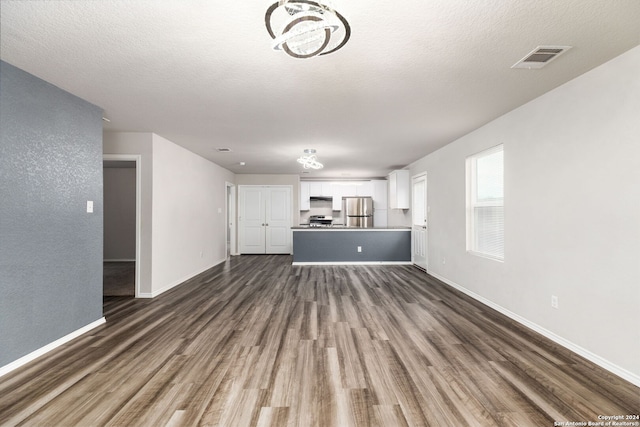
(321, 198)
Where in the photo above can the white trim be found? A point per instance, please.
(353, 263)
(472, 201)
(144, 295)
(47, 348)
(119, 260)
(483, 255)
(138, 159)
(230, 205)
(179, 281)
(415, 178)
(581, 351)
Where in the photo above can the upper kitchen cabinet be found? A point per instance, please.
(364, 189)
(380, 194)
(305, 193)
(337, 191)
(320, 189)
(377, 189)
(399, 189)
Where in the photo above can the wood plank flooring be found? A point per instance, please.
(258, 342)
(118, 279)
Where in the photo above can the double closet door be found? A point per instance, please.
(264, 219)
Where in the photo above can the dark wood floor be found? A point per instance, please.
(119, 278)
(258, 342)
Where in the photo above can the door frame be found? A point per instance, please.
(426, 213)
(137, 158)
(231, 219)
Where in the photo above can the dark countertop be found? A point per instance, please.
(345, 228)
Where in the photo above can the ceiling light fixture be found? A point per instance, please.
(307, 28)
(310, 161)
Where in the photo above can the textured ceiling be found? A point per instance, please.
(415, 75)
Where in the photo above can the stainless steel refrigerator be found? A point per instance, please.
(358, 211)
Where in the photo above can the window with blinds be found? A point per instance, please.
(485, 203)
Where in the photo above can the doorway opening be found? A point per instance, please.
(121, 252)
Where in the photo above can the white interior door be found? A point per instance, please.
(419, 231)
(251, 220)
(264, 220)
(278, 220)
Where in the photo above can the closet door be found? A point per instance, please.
(278, 220)
(264, 219)
(251, 220)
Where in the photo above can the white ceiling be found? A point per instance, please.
(415, 75)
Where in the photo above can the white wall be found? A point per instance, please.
(180, 196)
(572, 214)
(138, 143)
(189, 221)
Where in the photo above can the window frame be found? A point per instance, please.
(473, 203)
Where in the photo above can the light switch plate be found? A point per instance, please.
(89, 206)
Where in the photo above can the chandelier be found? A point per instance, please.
(309, 160)
(306, 28)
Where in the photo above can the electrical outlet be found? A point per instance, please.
(201, 254)
(444, 260)
(359, 248)
(554, 301)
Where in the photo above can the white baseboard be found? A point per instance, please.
(179, 281)
(47, 348)
(598, 360)
(119, 260)
(353, 263)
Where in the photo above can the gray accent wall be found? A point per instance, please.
(50, 247)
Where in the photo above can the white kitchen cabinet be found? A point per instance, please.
(315, 189)
(320, 188)
(327, 189)
(399, 189)
(305, 193)
(347, 189)
(340, 190)
(364, 189)
(264, 219)
(380, 194)
(337, 192)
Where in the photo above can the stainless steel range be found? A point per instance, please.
(320, 221)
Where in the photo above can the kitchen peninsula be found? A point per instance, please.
(351, 245)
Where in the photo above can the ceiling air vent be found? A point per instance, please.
(224, 150)
(540, 56)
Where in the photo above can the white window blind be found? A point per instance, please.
(485, 206)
